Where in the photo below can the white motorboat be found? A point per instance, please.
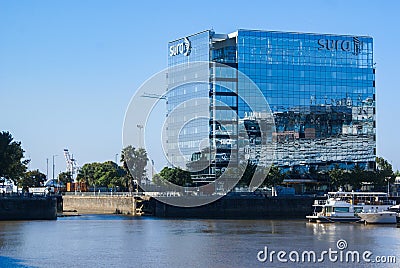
(332, 210)
(346, 206)
(396, 209)
(376, 217)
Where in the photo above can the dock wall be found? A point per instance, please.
(261, 207)
(99, 204)
(234, 207)
(28, 208)
(290, 207)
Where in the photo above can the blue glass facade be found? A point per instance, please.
(187, 125)
(320, 89)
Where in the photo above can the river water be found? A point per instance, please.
(121, 241)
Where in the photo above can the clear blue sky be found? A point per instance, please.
(69, 68)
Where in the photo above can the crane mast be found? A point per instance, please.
(72, 165)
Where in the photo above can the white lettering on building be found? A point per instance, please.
(183, 47)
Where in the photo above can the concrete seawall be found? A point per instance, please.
(241, 207)
(99, 204)
(236, 206)
(28, 208)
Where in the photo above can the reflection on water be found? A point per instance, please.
(11, 262)
(119, 241)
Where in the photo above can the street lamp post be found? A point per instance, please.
(152, 169)
(47, 168)
(54, 167)
(388, 186)
(140, 127)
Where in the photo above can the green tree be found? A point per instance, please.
(176, 176)
(107, 174)
(384, 172)
(65, 177)
(87, 173)
(134, 163)
(338, 177)
(33, 178)
(118, 182)
(251, 172)
(356, 177)
(158, 180)
(368, 177)
(12, 165)
(274, 177)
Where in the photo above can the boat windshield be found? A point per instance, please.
(341, 209)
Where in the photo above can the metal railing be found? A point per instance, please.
(104, 194)
(394, 194)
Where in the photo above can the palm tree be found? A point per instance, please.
(134, 162)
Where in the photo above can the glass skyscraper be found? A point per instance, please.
(320, 89)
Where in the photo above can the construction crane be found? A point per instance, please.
(153, 96)
(72, 165)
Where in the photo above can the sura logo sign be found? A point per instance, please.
(183, 47)
(354, 46)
